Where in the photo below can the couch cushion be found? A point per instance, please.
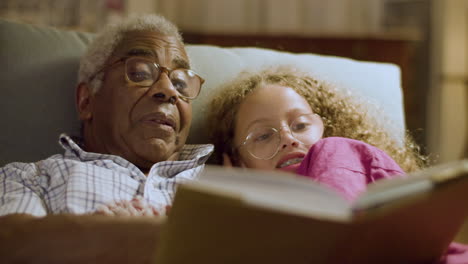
(377, 83)
(39, 68)
(38, 71)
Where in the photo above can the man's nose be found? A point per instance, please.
(163, 90)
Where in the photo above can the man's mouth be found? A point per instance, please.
(163, 122)
(290, 162)
(161, 119)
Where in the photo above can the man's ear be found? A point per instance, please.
(83, 101)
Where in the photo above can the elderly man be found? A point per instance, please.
(134, 100)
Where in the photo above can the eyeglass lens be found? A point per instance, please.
(263, 142)
(145, 73)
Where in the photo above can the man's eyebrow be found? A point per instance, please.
(141, 52)
(178, 62)
(181, 63)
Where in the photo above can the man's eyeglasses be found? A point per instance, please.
(264, 142)
(144, 73)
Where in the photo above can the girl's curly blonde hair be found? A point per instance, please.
(342, 115)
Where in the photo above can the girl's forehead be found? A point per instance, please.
(274, 96)
(270, 104)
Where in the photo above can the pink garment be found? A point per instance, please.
(348, 165)
(456, 254)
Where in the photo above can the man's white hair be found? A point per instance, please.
(107, 40)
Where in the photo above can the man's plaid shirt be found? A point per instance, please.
(78, 181)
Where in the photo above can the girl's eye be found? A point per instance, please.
(300, 127)
(263, 137)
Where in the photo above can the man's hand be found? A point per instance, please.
(136, 207)
(226, 160)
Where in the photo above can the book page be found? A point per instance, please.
(276, 191)
(388, 190)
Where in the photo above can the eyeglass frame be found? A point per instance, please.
(277, 131)
(162, 69)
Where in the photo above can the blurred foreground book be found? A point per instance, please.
(247, 216)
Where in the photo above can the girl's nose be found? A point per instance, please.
(287, 138)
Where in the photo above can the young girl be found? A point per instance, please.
(286, 120)
(276, 119)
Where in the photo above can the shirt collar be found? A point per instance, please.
(198, 153)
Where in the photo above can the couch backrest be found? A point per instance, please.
(38, 70)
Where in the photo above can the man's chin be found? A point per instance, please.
(156, 150)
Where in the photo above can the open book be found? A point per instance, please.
(246, 216)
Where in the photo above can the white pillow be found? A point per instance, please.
(377, 82)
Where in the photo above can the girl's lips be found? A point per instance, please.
(291, 168)
(290, 160)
